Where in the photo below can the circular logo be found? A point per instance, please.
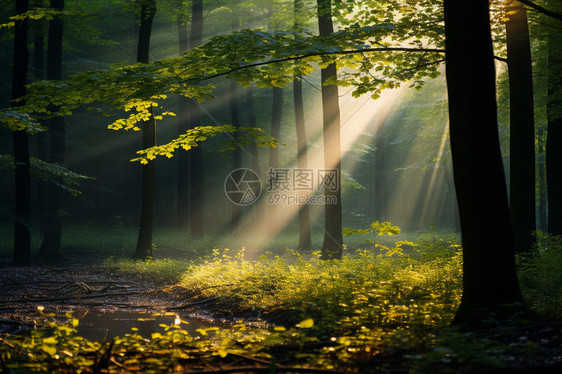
(242, 186)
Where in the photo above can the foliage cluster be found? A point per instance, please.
(368, 289)
(166, 268)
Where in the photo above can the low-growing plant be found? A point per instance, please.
(540, 276)
(367, 288)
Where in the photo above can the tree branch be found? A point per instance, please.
(542, 10)
(316, 54)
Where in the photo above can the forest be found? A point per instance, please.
(281, 186)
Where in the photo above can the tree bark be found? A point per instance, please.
(522, 130)
(554, 134)
(39, 74)
(144, 241)
(332, 247)
(276, 113)
(183, 126)
(237, 153)
(51, 246)
(305, 241)
(489, 279)
(196, 178)
(257, 208)
(541, 174)
(22, 232)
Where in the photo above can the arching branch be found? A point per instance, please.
(542, 10)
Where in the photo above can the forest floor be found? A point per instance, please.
(42, 293)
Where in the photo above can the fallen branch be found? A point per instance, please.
(109, 294)
(187, 306)
(267, 370)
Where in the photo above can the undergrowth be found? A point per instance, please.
(374, 303)
(367, 289)
(540, 276)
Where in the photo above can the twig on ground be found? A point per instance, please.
(109, 294)
(187, 306)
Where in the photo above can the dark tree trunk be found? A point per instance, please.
(305, 241)
(22, 233)
(237, 153)
(380, 176)
(51, 246)
(258, 209)
(183, 126)
(144, 242)
(554, 134)
(252, 123)
(277, 110)
(39, 74)
(522, 130)
(541, 174)
(489, 277)
(332, 247)
(196, 177)
(276, 113)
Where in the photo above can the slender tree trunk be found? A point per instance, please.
(22, 232)
(183, 126)
(522, 130)
(332, 247)
(196, 182)
(51, 245)
(276, 113)
(305, 241)
(380, 175)
(237, 153)
(554, 134)
(541, 183)
(39, 74)
(144, 242)
(258, 209)
(277, 110)
(252, 123)
(489, 279)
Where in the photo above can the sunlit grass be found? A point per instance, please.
(367, 288)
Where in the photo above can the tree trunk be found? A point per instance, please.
(258, 209)
(22, 233)
(183, 126)
(381, 176)
(541, 174)
(196, 177)
(305, 241)
(333, 240)
(51, 246)
(276, 113)
(144, 242)
(42, 138)
(237, 153)
(489, 278)
(522, 130)
(252, 123)
(554, 134)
